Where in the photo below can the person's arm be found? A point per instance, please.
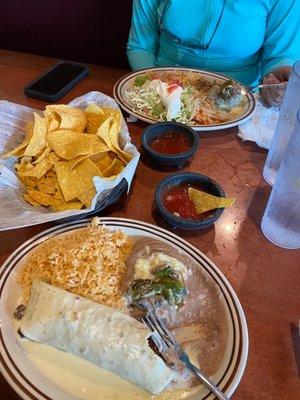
(281, 48)
(143, 35)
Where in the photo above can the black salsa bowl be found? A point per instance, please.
(195, 179)
(154, 131)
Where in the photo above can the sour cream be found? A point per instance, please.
(170, 95)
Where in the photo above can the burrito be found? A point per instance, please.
(100, 334)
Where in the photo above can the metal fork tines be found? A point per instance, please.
(168, 346)
(161, 336)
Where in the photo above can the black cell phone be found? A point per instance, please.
(57, 81)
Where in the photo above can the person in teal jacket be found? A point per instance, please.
(249, 40)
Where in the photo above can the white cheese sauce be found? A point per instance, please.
(86, 381)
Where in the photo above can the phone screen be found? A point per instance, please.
(56, 79)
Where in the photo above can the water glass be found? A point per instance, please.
(281, 220)
(285, 125)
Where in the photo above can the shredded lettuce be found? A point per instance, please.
(146, 101)
(140, 80)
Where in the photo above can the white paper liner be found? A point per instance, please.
(15, 212)
(261, 127)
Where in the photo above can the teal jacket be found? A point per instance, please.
(245, 39)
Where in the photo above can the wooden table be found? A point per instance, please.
(265, 277)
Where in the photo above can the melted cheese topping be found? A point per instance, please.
(145, 267)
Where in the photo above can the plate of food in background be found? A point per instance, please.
(66, 161)
(204, 100)
(78, 287)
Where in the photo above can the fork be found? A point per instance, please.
(247, 89)
(166, 343)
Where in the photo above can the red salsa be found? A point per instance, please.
(177, 201)
(171, 142)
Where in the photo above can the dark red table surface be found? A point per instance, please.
(266, 278)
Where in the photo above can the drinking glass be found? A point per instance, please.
(285, 125)
(281, 220)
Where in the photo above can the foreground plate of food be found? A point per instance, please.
(78, 288)
(204, 100)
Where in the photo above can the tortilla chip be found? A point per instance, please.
(51, 115)
(99, 157)
(69, 145)
(95, 116)
(87, 197)
(103, 132)
(112, 177)
(94, 109)
(108, 131)
(58, 194)
(115, 113)
(77, 160)
(30, 200)
(43, 198)
(53, 158)
(52, 119)
(114, 139)
(206, 202)
(44, 188)
(114, 169)
(28, 182)
(48, 185)
(42, 156)
(96, 158)
(71, 205)
(79, 180)
(51, 173)
(22, 167)
(37, 142)
(38, 170)
(70, 117)
(29, 129)
(54, 125)
(19, 150)
(25, 159)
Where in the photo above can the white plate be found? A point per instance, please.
(126, 83)
(40, 372)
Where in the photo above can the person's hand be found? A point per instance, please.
(273, 95)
